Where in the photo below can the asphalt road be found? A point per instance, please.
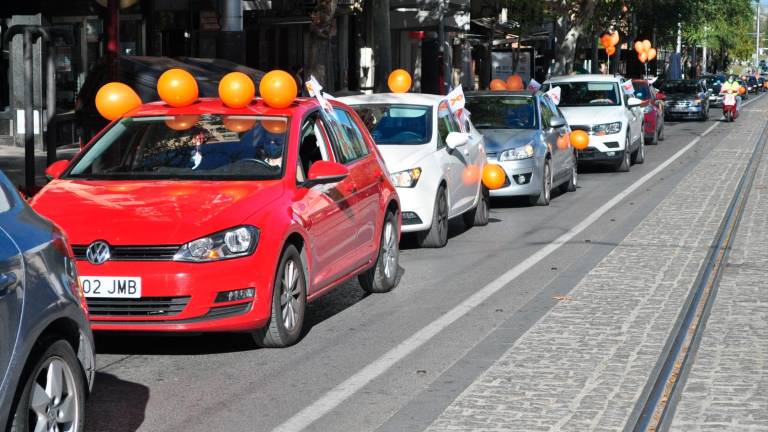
(222, 382)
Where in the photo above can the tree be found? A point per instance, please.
(322, 29)
(571, 19)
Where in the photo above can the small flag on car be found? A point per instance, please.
(554, 95)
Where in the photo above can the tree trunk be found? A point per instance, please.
(382, 45)
(569, 27)
(322, 29)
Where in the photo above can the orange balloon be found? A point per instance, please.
(236, 90)
(579, 139)
(275, 126)
(177, 87)
(562, 142)
(639, 47)
(614, 38)
(643, 57)
(498, 85)
(238, 124)
(182, 122)
(278, 89)
(611, 50)
(605, 40)
(652, 53)
(742, 90)
(470, 175)
(399, 81)
(647, 44)
(514, 82)
(493, 176)
(115, 99)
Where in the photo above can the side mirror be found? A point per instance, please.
(456, 139)
(557, 122)
(324, 172)
(634, 102)
(57, 168)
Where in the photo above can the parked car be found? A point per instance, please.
(526, 134)
(752, 85)
(761, 84)
(208, 218)
(687, 99)
(653, 110)
(46, 345)
(435, 166)
(598, 105)
(141, 74)
(714, 83)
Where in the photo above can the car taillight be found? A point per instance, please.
(61, 244)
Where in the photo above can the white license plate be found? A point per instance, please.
(111, 287)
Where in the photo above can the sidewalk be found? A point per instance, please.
(727, 388)
(585, 364)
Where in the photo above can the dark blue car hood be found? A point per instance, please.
(497, 140)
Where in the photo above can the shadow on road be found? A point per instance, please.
(115, 405)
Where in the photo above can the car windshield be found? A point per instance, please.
(752, 80)
(205, 147)
(642, 91)
(397, 123)
(680, 87)
(502, 112)
(586, 93)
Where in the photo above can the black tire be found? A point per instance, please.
(623, 165)
(572, 183)
(661, 133)
(546, 186)
(382, 277)
(479, 215)
(704, 116)
(58, 354)
(286, 318)
(638, 156)
(728, 116)
(437, 235)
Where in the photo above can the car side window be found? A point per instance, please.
(546, 114)
(352, 145)
(445, 123)
(5, 199)
(313, 145)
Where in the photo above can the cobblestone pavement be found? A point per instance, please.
(584, 364)
(727, 387)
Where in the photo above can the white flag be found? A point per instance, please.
(554, 95)
(456, 99)
(316, 90)
(534, 85)
(628, 88)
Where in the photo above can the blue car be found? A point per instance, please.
(46, 345)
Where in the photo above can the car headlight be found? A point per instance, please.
(232, 243)
(607, 128)
(407, 178)
(648, 108)
(517, 153)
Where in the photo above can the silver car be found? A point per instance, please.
(527, 135)
(46, 345)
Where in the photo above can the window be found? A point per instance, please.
(206, 147)
(397, 124)
(586, 93)
(546, 114)
(313, 146)
(446, 123)
(353, 142)
(5, 199)
(502, 111)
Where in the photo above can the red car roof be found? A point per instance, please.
(215, 106)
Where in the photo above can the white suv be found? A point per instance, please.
(599, 105)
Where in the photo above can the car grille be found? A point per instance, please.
(145, 306)
(679, 104)
(133, 253)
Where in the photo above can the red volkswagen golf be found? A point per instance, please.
(209, 218)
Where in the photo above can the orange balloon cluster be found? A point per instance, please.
(645, 52)
(399, 81)
(236, 90)
(182, 122)
(115, 99)
(579, 139)
(493, 176)
(177, 87)
(609, 41)
(498, 85)
(278, 89)
(514, 83)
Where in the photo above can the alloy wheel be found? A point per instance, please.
(290, 291)
(547, 181)
(53, 398)
(390, 251)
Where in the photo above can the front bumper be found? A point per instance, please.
(417, 206)
(685, 112)
(716, 100)
(180, 297)
(591, 154)
(523, 177)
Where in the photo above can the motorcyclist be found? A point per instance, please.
(730, 85)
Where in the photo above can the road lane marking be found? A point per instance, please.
(333, 398)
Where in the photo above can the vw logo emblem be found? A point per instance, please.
(98, 252)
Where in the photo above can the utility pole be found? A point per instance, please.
(757, 38)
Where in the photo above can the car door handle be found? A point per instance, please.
(7, 280)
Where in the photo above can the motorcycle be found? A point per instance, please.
(730, 108)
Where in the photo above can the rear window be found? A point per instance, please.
(397, 123)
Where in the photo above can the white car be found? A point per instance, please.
(598, 105)
(434, 165)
